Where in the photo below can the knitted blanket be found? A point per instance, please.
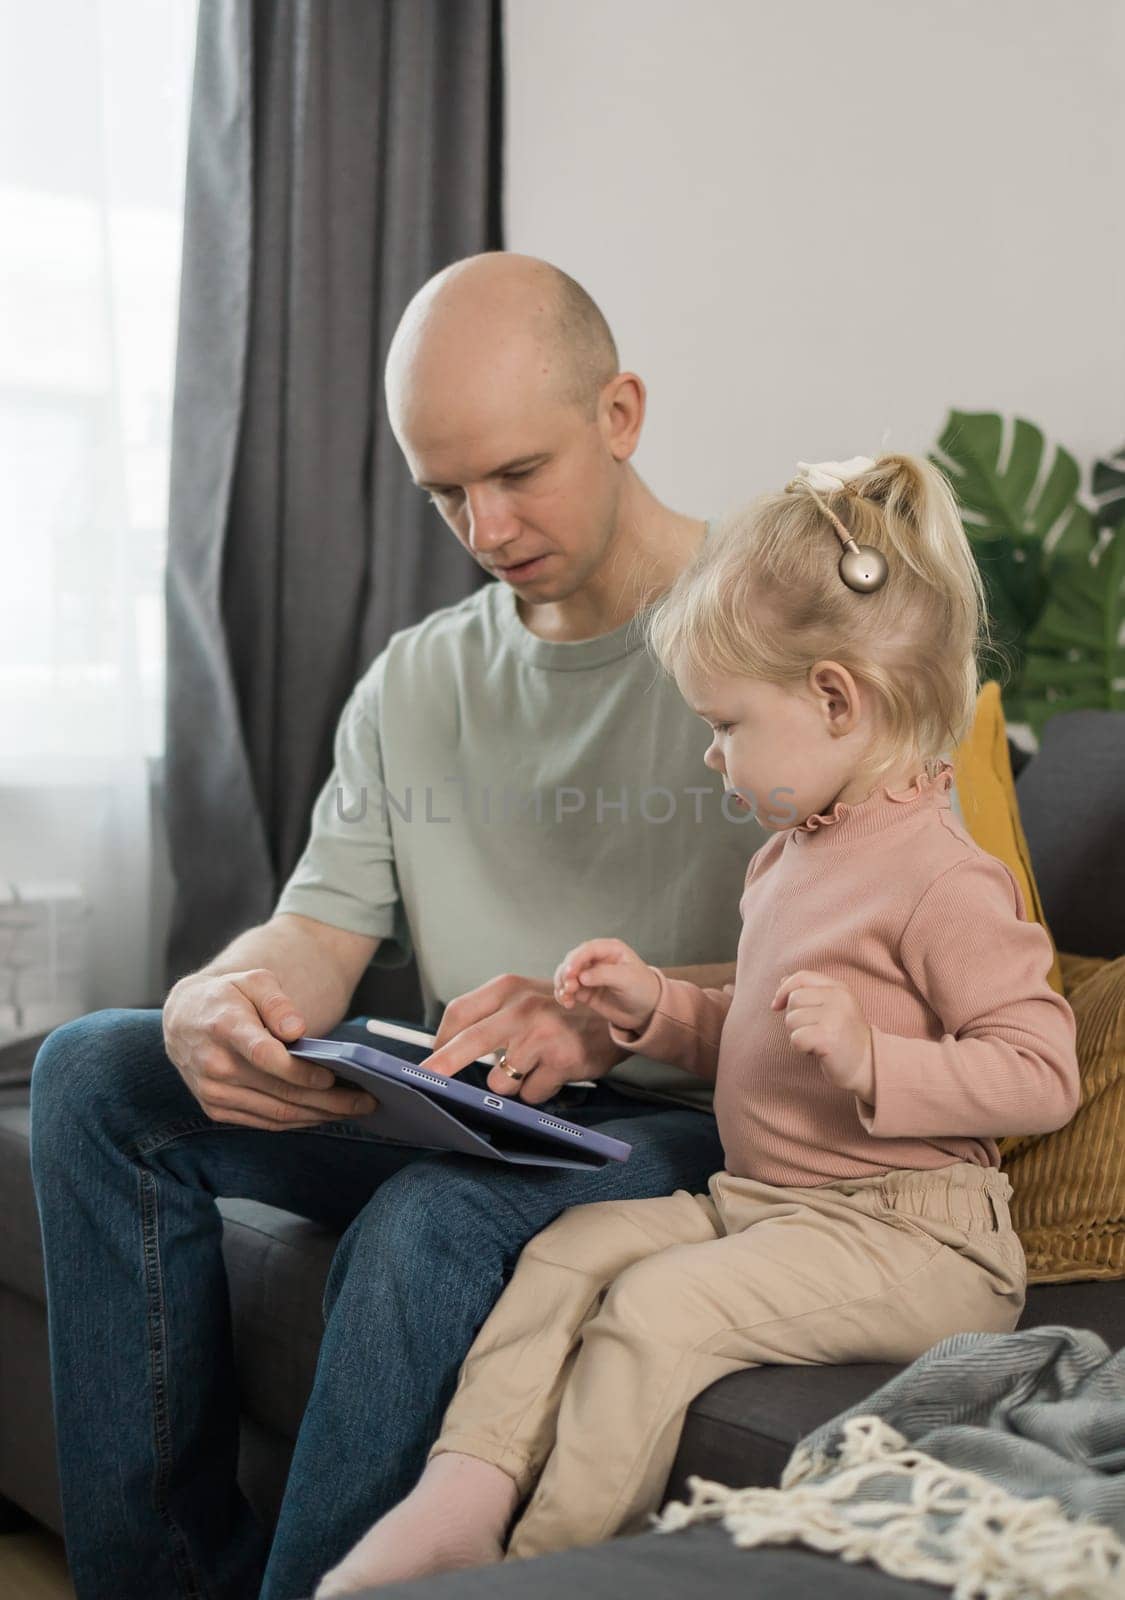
(994, 1465)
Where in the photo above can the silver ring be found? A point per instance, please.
(502, 1063)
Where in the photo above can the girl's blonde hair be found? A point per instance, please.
(763, 599)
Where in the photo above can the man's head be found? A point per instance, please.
(504, 394)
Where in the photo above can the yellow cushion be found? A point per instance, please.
(986, 793)
(1068, 1205)
(1068, 1200)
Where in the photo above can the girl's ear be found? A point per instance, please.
(837, 697)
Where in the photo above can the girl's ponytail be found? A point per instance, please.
(765, 598)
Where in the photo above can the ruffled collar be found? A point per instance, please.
(863, 817)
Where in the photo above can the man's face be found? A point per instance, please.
(530, 490)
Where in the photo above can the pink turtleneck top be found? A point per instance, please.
(892, 897)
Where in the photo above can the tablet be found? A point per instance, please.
(432, 1112)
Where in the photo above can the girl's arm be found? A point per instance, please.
(689, 1016)
(685, 1027)
(1006, 1062)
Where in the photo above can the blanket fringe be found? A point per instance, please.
(998, 1547)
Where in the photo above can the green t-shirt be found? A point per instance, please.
(497, 798)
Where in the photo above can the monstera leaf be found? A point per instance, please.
(1021, 512)
(1076, 651)
(1109, 488)
(1005, 492)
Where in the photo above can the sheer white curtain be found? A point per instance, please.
(94, 99)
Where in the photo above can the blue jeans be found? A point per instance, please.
(127, 1170)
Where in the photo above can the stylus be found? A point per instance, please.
(392, 1030)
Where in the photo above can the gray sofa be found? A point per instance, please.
(741, 1431)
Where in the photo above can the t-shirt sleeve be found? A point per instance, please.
(346, 876)
(1006, 1062)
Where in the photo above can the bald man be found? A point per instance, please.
(512, 775)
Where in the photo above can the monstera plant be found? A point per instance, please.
(1052, 562)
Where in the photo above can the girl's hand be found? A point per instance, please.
(610, 978)
(824, 1020)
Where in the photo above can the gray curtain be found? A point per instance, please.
(340, 151)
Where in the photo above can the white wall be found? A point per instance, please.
(816, 224)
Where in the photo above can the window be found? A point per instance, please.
(93, 130)
(94, 98)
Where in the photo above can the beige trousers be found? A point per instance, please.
(620, 1313)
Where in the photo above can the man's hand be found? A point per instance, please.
(223, 1034)
(519, 1015)
(824, 1020)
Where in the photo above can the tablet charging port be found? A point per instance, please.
(496, 1104)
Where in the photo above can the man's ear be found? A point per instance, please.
(621, 414)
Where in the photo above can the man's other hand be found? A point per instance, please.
(225, 1037)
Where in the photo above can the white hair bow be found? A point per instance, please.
(828, 477)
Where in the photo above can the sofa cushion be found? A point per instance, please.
(17, 1058)
(276, 1264)
(742, 1430)
(28, 1471)
(21, 1254)
(986, 800)
(1072, 805)
(1068, 1202)
(702, 1562)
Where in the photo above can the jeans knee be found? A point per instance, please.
(84, 1067)
(432, 1220)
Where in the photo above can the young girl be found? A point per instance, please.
(890, 1020)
